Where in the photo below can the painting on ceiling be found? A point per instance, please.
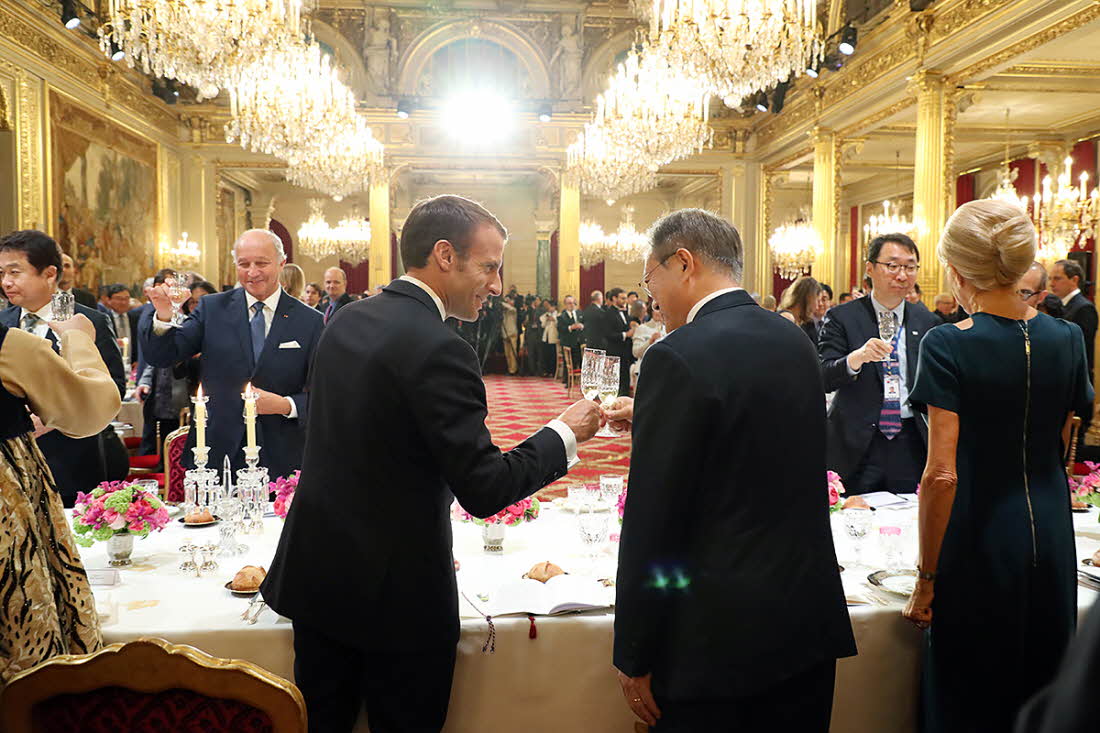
(104, 181)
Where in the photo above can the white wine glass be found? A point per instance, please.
(178, 293)
(887, 326)
(609, 391)
(591, 373)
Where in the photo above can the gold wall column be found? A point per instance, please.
(826, 178)
(740, 201)
(199, 186)
(569, 238)
(380, 231)
(933, 173)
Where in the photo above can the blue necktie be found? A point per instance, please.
(256, 326)
(889, 421)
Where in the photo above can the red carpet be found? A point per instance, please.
(518, 406)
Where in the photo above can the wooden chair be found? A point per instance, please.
(173, 464)
(1071, 453)
(559, 364)
(572, 375)
(149, 684)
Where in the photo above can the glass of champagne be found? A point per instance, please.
(609, 391)
(591, 373)
(887, 326)
(178, 293)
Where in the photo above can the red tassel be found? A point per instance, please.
(534, 632)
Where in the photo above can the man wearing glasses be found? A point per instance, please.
(873, 439)
(1032, 287)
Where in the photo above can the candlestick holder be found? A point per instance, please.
(231, 511)
(252, 486)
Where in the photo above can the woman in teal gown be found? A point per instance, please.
(997, 595)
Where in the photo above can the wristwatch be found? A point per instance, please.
(931, 577)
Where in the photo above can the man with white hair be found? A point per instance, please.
(249, 335)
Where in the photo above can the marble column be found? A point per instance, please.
(825, 198)
(933, 173)
(380, 232)
(569, 237)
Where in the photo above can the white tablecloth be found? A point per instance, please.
(560, 681)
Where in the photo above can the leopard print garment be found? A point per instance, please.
(46, 603)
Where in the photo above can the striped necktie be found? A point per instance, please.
(889, 421)
(30, 321)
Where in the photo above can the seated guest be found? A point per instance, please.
(336, 288)
(1066, 278)
(312, 296)
(66, 280)
(30, 261)
(997, 557)
(46, 604)
(251, 334)
(293, 281)
(710, 636)
(874, 442)
(571, 328)
(801, 302)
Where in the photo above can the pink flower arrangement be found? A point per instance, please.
(116, 507)
(621, 504)
(284, 489)
(526, 510)
(836, 488)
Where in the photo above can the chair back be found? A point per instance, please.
(570, 378)
(1071, 458)
(150, 684)
(173, 464)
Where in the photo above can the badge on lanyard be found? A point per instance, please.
(892, 387)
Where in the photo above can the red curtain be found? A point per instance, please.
(358, 276)
(964, 189)
(554, 269)
(592, 278)
(280, 231)
(1025, 176)
(779, 284)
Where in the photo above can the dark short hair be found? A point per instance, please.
(207, 286)
(40, 248)
(845, 297)
(1071, 268)
(875, 248)
(163, 275)
(701, 233)
(449, 217)
(613, 293)
(828, 290)
(113, 290)
(595, 294)
(568, 296)
(632, 292)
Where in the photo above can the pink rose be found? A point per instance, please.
(834, 496)
(137, 525)
(119, 522)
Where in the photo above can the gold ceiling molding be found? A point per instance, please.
(1052, 69)
(883, 114)
(82, 66)
(1072, 23)
(951, 20)
(26, 111)
(5, 121)
(786, 161)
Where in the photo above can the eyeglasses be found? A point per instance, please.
(1026, 294)
(644, 284)
(894, 268)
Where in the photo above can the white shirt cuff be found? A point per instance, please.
(293, 414)
(568, 439)
(161, 327)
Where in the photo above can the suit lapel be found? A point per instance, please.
(871, 331)
(237, 304)
(10, 316)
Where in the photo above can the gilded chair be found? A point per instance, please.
(1071, 452)
(150, 685)
(572, 375)
(173, 464)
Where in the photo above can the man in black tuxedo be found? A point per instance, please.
(30, 261)
(1066, 279)
(593, 318)
(875, 442)
(255, 334)
(336, 287)
(65, 283)
(571, 330)
(398, 430)
(619, 335)
(728, 617)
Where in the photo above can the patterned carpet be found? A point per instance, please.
(518, 406)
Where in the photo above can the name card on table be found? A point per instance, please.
(103, 578)
(881, 499)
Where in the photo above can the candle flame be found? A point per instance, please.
(199, 393)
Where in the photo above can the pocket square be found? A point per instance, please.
(289, 345)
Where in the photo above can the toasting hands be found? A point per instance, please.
(584, 418)
(78, 322)
(621, 413)
(874, 350)
(158, 296)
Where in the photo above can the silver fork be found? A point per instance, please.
(259, 609)
(251, 604)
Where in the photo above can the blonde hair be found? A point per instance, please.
(293, 280)
(990, 243)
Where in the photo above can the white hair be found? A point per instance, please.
(275, 241)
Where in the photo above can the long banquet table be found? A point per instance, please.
(561, 680)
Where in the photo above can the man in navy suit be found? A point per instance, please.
(874, 440)
(253, 334)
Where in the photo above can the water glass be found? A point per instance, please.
(62, 306)
(611, 485)
(890, 545)
(857, 523)
(592, 526)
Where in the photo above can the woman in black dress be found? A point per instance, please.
(997, 594)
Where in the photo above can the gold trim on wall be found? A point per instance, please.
(26, 115)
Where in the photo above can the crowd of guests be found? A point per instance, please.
(970, 401)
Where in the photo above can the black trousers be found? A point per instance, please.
(801, 704)
(403, 692)
(890, 465)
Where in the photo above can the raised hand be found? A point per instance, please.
(584, 418)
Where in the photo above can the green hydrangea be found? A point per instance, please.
(98, 492)
(120, 500)
(103, 534)
(83, 541)
(81, 528)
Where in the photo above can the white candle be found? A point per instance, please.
(200, 419)
(250, 415)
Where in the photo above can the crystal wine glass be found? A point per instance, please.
(591, 371)
(857, 523)
(63, 305)
(887, 326)
(179, 294)
(592, 525)
(608, 391)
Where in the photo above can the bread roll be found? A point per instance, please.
(248, 578)
(543, 571)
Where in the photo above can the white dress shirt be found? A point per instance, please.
(903, 357)
(45, 314)
(1068, 298)
(704, 300)
(568, 439)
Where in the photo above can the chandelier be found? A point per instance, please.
(185, 255)
(737, 46)
(626, 244)
(340, 164)
(203, 43)
(349, 239)
(605, 170)
(794, 248)
(890, 221)
(1064, 215)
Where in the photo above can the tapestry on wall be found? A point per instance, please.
(104, 182)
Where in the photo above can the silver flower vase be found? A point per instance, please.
(492, 537)
(119, 547)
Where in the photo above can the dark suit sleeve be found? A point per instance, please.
(1086, 318)
(669, 430)
(449, 407)
(833, 348)
(176, 344)
(108, 349)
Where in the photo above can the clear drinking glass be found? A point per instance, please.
(887, 326)
(62, 306)
(592, 525)
(608, 391)
(178, 293)
(591, 373)
(890, 545)
(611, 485)
(857, 523)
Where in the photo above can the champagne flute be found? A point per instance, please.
(179, 294)
(887, 326)
(591, 371)
(608, 391)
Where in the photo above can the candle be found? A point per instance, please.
(250, 415)
(200, 419)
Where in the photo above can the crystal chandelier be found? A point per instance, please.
(625, 244)
(605, 170)
(185, 255)
(203, 43)
(1064, 215)
(1006, 176)
(794, 248)
(349, 239)
(890, 221)
(737, 46)
(593, 244)
(341, 164)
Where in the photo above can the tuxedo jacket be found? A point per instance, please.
(77, 464)
(854, 414)
(1081, 311)
(617, 323)
(218, 329)
(396, 432)
(728, 580)
(595, 331)
(567, 337)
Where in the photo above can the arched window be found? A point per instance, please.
(474, 63)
